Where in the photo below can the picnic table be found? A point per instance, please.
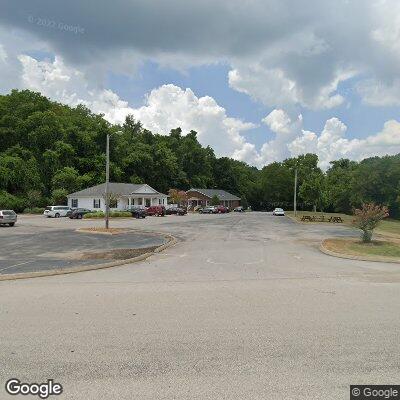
(321, 218)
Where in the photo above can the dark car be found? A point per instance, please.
(78, 213)
(138, 212)
(158, 211)
(176, 211)
(221, 209)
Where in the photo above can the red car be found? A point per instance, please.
(158, 211)
(221, 209)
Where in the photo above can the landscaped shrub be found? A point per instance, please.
(367, 219)
(113, 214)
(34, 210)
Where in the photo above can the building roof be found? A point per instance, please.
(122, 189)
(221, 194)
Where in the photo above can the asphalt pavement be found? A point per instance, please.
(243, 307)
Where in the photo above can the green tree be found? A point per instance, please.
(215, 200)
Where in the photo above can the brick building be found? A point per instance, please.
(202, 197)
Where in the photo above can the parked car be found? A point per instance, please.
(176, 211)
(221, 209)
(158, 211)
(238, 209)
(78, 213)
(8, 217)
(56, 211)
(208, 210)
(278, 212)
(138, 212)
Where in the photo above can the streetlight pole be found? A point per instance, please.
(107, 196)
(295, 193)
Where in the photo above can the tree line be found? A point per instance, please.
(48, 150)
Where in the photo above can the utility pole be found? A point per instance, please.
(295, 193)
(107, 196)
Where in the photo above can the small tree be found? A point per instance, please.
(215, 200)
(177, 196)
(244, 202)
(368, 218)
(59, 196)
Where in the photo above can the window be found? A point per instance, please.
(148, 202)
(140, 201)
(159, 201)
(74, 203)
(96, 203)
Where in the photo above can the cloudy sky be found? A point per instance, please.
(260, 80)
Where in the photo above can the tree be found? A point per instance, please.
(59, 196)
(215, 200)
(312, 190)
(368, 218)
(177, 196)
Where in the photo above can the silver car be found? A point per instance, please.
(8, 217)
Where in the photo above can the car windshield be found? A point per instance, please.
(49, 208)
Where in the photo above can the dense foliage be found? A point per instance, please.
(48, 150)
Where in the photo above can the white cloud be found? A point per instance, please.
(380, 94)
(170, 106)
(166, 107)
(332, 144)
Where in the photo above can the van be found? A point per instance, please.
(56, 211)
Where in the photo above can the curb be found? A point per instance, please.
(324, 250)
(72, 270)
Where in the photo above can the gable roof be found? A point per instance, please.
(122, 189)
(221, 194)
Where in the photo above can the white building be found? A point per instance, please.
(122, 197)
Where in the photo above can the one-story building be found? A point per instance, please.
(202, 197)
(122, 197)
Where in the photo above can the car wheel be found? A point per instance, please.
(57, 215)
(11, 223)
(79, 216)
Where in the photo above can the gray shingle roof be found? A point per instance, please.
(222, 194)
(113, 187)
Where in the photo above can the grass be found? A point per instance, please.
(390, 227)
(356, 247)
(346, 218)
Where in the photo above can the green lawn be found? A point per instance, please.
(356, 247)
(388, 226)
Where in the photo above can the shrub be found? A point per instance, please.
(34, 210)
(59, 196)
(113, 214)
(10, 202)
(368, 218)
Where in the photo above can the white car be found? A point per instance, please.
(279, 212)
(56, 211)
(8, 217)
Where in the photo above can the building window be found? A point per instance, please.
(159, 201)
(148, 202)
(74, 203)
(140, 200)
(96, 203)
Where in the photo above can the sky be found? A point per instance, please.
(259, 80)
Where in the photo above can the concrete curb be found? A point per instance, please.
(324, 250)
(26, 275)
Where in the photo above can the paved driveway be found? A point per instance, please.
(244, 307)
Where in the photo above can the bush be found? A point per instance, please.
(368, 218)
(34, 210)
(113, 214)
(10, 202)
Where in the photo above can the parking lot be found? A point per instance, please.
(245, 306)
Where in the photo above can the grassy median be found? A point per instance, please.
(354, 247)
